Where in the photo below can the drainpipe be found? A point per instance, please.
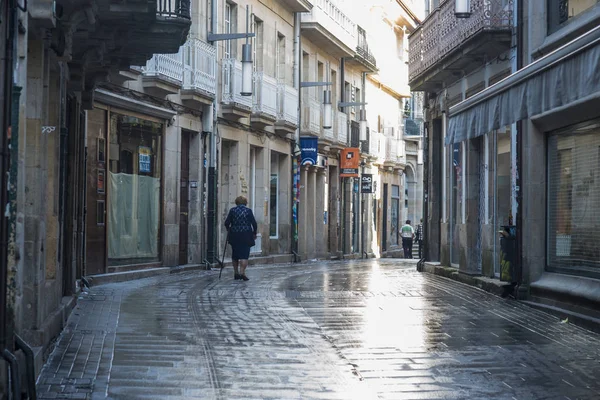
(297, 68)
(519, 215)
(211, 215)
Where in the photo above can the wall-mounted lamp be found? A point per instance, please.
(363, 125)
(246, 70)
(327, 111)
(462, 9)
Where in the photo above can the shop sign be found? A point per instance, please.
(308, 149)
(349, 163)
(366, 183)
(145, 157)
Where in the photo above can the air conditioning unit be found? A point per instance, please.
(321, 161)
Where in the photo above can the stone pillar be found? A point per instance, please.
(333, 209)
(320, 226)
(311, 205)
(196, 205)
(302, 214)
(347, 211)
(172, 175)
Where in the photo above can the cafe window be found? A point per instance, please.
(134, 182)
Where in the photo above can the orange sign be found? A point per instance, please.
(349, 163)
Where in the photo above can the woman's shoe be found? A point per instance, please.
(244, 277)
(237, 276)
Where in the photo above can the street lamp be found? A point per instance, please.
(462, 9)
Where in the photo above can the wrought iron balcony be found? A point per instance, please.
(364, 56)
(199, 72)
(173, 9)
(413, 123)
(444, 44)
(264, 99)
(327, 25)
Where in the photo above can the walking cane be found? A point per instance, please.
(222, 261)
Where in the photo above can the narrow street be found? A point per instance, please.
(373, 329)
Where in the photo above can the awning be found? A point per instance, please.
(568, 74)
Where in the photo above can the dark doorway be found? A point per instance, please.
(184, 198)
(384, 225)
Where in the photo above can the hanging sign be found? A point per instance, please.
(308, 149)
(366, 183)
(145, 158)
(349, 163)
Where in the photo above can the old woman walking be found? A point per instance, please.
(241, 227)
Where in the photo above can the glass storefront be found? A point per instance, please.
(574, 200)
(134, 182)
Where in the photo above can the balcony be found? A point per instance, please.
(330, 28)
(199, 73)
(443, 44)
(264, 100)
(298, 5)
(287, 109)
(163, 74)
(413, 125)
(102, 37)
(235, 106)
(341, 128)
(311, 117)
(364, 58)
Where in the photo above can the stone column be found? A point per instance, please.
(334, 206)
(311, 212)
(320, 226)
(172, 175)
(302, 214)
(196, 205)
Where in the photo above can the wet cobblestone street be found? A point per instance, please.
(374, 329)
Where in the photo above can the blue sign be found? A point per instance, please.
(308, 149)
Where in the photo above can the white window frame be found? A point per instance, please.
(229, 27)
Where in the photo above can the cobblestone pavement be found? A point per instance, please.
(373, 329)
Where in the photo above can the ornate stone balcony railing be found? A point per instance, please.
(330, 24)
(442, 33)
(166, 65)
(264, 99)
(199, 62)
(287, 103)
(232, 84)
(311, 115)
(342, 127)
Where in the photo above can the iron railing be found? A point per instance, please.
(362, 49)
(441, 33)
(173, 8)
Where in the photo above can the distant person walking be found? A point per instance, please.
(419, 237)
(408, 234)
(241, 230)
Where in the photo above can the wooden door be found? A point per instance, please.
(184, 198)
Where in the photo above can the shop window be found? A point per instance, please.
(456, 200)
(573, 199)
(560, 12)
(134, 181)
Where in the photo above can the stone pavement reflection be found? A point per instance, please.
(372, 329)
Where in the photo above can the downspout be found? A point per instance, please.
(211, 220)
(297, 68)
(343, 180)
